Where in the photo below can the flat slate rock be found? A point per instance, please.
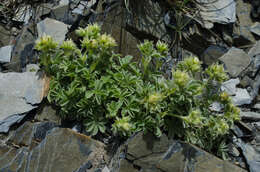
(252, 116)
(53, 28)
(56, 150)
(6, 53)
(255, 28)
(236, 61)
(19, 94)
(144, 152)
(216, 11)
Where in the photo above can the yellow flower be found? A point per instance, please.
(154, 98)
(181, 78)
(46, 43)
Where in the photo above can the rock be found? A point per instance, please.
(32, 68)
(246, 81)
(233, 150)
(146, 19)
(236, 61)
(19, 93)
(5, 54)
(241, 31)
(251, 155)
(252, 116)
(6, 123)
(257, 106)
(83, 8)
(105, 169)
(242, 97)
(23, 14)
(6, 36)
(212, 53)
(256, 86)
(230, 86)
(149, 154)
(216, 107)
(23, 49)
(48, 114)
(254, 53)
(57, 149)
(216, 11)
(255, 28)
(53, 28)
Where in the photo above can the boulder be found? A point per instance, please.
(144, 152)
(235, 61)
(212, 54)
(216, 11)
(255, 28)
(19, 93)
(56, 29)
(40, 147)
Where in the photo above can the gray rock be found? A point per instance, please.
(23, 49)
(169, 156)
(216, 107)
(6, 53)
(62, 13)
(6, 123)
(251, 155)
(105, 169)
(255, 28)
(242, 97)
(257, 106)
(254, 53)
(241, 30)
(23, 14)
(19, 92)
(6, 36)
(216, 11)
(212, 53)
(252, 116)
(236, 61)
(256, 86)
(42, 146)
(53, 28)
(48, 114)
(230, 86)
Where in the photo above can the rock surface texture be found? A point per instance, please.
(144, 152)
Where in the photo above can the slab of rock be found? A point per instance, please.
(255, 28)
(6, 123)
(254, 53)
(212, 53)
(252, 116)
(241, 31)
(56, 149)
(236, 61)
(230, 86)
(53, 28)
(242, 97)
(23, 49)
(216, 11)
(6, 36)
(146, 153)
(6, 53)
(48, 114)
(19, 92)
(251, 155)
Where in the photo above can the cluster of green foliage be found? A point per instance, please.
(108, 92)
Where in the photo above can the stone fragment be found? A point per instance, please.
(23, 14)
(242, 97)
(251, 155)
(256, 86)
(241, 31)
(236, 61)
(145, 154)
(54, 149)
(6, 53)
(230, 86)
(53, 28)
(212, 53)
(255, 28)
(216, 11)
(19, 92)
(23, 49)
(254, 53)
(257, 106)
(6, 123)
(48, 114)
(6, 36)
(252, 116)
